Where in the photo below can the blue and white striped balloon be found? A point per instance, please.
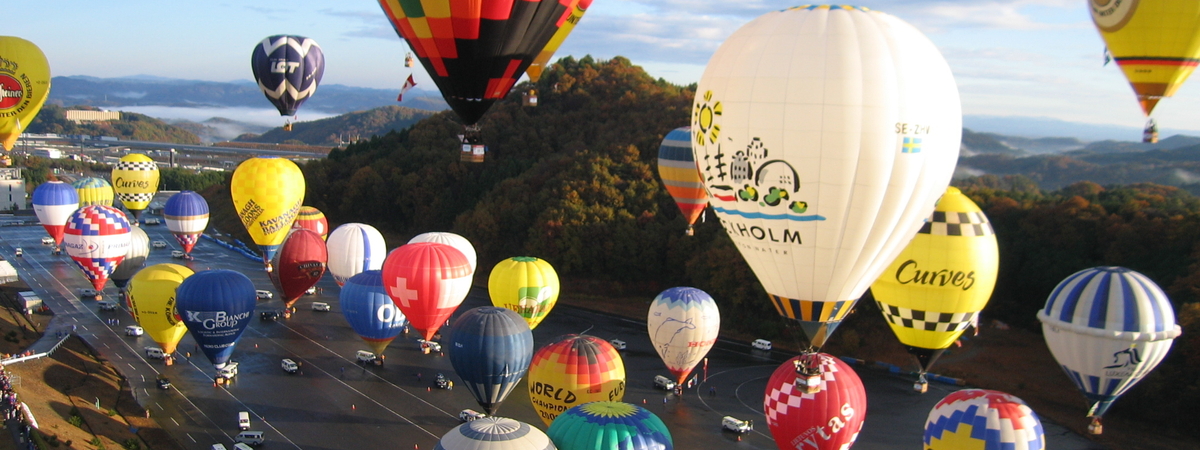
(1108, 327)
(495, 433)
(353, 249)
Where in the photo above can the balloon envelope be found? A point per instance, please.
(97, 239)
(216, 306)
(1108, 327)
(134, 181)
(288, 70)
(25, 83)
(476, 51)
(53, 202)
(299, 264)
(527, 285)
(573, 370)
(609, 426)
(369, 311)
(444, 237)
(186, 214)
(683, 324)
(93, 191)
(427, 281)
(494, 433)
(824, 134)
(490, 350)
(543, 57)
(354, 248)
(679, 174)
(936, 287)
(979, 418)
(135, 258)
(1156, 43)
(267, 193)
(152, 303)
(312, 219)
(830, 419)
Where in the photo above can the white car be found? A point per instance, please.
(468, 415)
(153, 221)
(264, 295)
(134, 330)
(761, 344)
(47, 240)
(107, 305)
(320, 306)
(178, 254)
(88, 292)
(159, 244)
(617, 344)
(664, 383)
(431, 346)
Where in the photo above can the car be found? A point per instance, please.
(289, 366)
(761, 344)
(153, 221)
(366, 357)
(264, 295)
(47, 240)
(429, 346)
(664, 383)
(468, 415)
(107, 305)
(320, 306)
(178, 254)
(20, 251)
(268, 316)
(218, 447)
(443, 383)
(617, 344)
(735, 425)
(134, 330)
(164, 383)
(159, 244)
(311, 290)
(87, 292)
(154, 352)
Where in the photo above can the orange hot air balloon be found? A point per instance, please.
(573, 370)
(312, 219)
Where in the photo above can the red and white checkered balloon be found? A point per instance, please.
(97, 238)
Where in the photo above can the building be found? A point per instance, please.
(47, 152)
(77, 116)
(12, 189)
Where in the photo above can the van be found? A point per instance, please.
(20, 251)
(320, 306)
(250, 437)
(218, 447)
(47, 240)
(737, 426)
(289, 366)
(107, 305)
(229, 371)
(177, 254)
(134, 330)
(154, 352)
(241, 446)
(664, 383)
(761, 344)
(468, 415)
(366, 357)
(243, 420)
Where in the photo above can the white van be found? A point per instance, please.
(134, 330)
(289, 366)
(664, 383)
(241, 446)
(243, 420)
(218, 447)
(735, 425)
(229, 371)
(366, 357)
(154, 352)
(320, 306)
(761, 344)
(468, 415)
(250, 437)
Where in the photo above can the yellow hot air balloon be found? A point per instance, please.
(135, 181)
(152, 303)
(573, 370)
(940, 282)
(24, 86)
(267, 193)
(526, 285)
(568, 24)
(93, 191)
(1156, 43)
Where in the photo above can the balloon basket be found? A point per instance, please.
(808, 374)
(1095, 428)
(809, 383)
(921, 387)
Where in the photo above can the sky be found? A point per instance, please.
(1030, 58)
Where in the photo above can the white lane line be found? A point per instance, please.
(176, 421)
(189, 435)
(160, 408)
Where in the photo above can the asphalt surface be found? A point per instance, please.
(335, 403)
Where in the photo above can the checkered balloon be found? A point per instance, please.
(97, 239)
(829, 419)
(979, 418)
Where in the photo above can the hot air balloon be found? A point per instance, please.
(936, 287)
(526, 285)
(288, 70)
(828, 419)
(134, 181)
(491, 349)
(152, 303)
(838, 194)
(216, 306)
(495, 433)
(187, 217)
(539, 62)
(93, 191)
(97, 238)
(683, 324)
(370, 311)
(135, 258)
(267, 193)
(427, 281)
(1156, 43)
(25, 83)
(53, 202)
(444, 237)
(299, 264)
(979, 418)
(1108, 327)
(312, 219)
(680, 176)
(609, 426)
(573, 370)
(354, 248)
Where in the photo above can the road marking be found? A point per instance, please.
(143, 376)
(176, 421)
(105, 345)
(189, 435)
(160, 408)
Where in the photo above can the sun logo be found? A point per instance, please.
(704, 119)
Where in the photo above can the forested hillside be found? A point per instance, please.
(132, 126)
(347, 127)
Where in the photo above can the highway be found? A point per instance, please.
(334, 403)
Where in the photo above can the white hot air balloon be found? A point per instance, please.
(825, 135)
(1108, 327)
(135, 258)
(683, 324)
(458, 242)
(354, 248)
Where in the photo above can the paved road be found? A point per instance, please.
(323, 407)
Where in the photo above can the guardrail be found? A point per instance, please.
(44, 354)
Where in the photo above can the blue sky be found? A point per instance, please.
(1039, 58)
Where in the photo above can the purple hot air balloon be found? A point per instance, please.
(288, 69)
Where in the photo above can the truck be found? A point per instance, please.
(735, 425)
(228, 371)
